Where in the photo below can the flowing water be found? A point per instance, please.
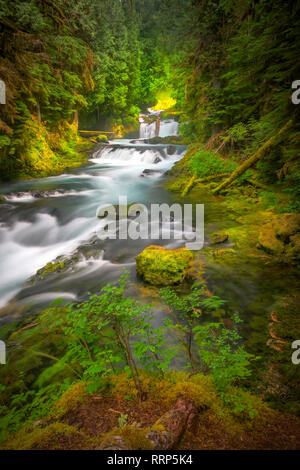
(46, 218)
(43, 219)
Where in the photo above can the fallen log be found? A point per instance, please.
(188, 186)
(254, 159)
(169, 429)
(195, 180)
(212, 177)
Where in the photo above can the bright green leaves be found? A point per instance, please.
(109, 331)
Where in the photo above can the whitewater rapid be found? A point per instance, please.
(46, 218)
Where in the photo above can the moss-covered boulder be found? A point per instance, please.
(162, 267)
(268, 241)
(218, 237)
(102, 138)
(281, 237)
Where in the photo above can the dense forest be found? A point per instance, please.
(99, 373)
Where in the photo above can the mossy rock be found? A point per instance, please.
(59, 436)
(286, 226)
(126, 438)
(281, 237)
(218, 237)
(268, 241)
(102, 138)
(162, 267)
(293, 248)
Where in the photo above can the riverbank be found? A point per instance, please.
(250, 240)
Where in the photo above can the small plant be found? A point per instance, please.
(190, 308)
(122, 420)
(226, 359)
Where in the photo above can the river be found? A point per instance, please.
(50, 217)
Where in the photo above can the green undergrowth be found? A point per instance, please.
(108, 344)
(206, 163)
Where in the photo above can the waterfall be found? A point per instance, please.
(129, 156)
(163, 128)
(169, 127)
(147, 130)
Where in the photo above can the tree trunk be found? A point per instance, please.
(252, 160)
(173, 424)
(75, 119)
(157, 127)
(39, 113)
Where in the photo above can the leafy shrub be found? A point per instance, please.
(190, 308)
(227, 360)
(111, 330)
(206, 163)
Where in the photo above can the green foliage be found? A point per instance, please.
(226, 358)
(122, 420)
(206, 163)
(269, 199)
(111, 330)
(29, 406)
(190, 308)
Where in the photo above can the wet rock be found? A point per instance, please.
(171, 149)
(218, 237)
(162, 267)
(115, 209)
(149, 172)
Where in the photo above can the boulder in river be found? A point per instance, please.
(162, 267)
(149, 172)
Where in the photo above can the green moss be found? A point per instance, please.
(161, 267)
(267, 241)
(102, 138)
(55, 436)
(133, 438)
(281, 237)
(51, 267)
(218, 237)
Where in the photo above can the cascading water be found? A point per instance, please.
(147, 130)
(151, 129)
(56, 217)
(169, 127)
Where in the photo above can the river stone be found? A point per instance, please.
(218, 237)
(171, 149)
(162, 267)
